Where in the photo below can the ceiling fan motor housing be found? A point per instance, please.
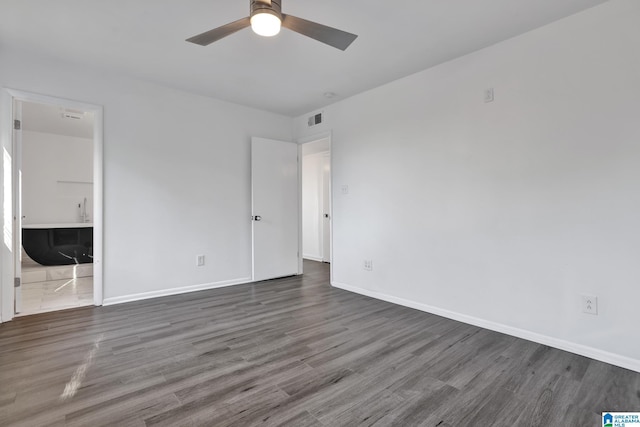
(272, 7)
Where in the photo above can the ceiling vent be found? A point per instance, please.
(72, 114)
(315, 120)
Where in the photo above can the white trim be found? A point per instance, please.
(16, 203)
(313, 258)
(8, 96)
(174, 291)
(300, 240)
(582, 350)
(98, 205)
(6, 192)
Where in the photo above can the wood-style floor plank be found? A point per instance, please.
(290, 352)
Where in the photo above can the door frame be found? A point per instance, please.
(9, 174)
(301, 141)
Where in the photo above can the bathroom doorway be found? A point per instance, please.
(56, 165)
(57, 204)
(316, 199)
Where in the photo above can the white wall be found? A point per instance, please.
(312, 206)
(176, 176)
(57, 174)
(502, 214)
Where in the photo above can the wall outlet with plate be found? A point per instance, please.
(589, 304)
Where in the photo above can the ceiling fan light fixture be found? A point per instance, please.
(266, 19)
(265, 24)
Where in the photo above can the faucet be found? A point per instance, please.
(84, 215)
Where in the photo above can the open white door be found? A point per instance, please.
(326, 208)
(275, 208)
(17, 204)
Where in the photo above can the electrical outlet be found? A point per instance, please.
(368, 265)
(345, 189)
(200, 260)
(590, 304)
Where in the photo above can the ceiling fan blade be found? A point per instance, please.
(328, 35)
(211, 36)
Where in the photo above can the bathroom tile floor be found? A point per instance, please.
(53, 295)
(53, 288)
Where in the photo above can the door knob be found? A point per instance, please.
(256, 218)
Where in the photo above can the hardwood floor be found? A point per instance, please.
(294, 352)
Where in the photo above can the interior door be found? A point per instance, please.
(275, 208)
(326, 207)
(17, 204)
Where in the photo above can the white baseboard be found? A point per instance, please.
(312, 257)
(582, 350)
(174, 291)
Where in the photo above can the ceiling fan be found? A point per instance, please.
(266, 18)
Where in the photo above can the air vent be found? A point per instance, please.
(315, 120)
(72, 114)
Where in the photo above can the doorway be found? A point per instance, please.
(316, 199)
(56, 183)
(56, 200)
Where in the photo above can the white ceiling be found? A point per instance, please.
(287, 74)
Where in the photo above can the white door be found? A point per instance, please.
(326, 207)
(275, 210)
(17, 204)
